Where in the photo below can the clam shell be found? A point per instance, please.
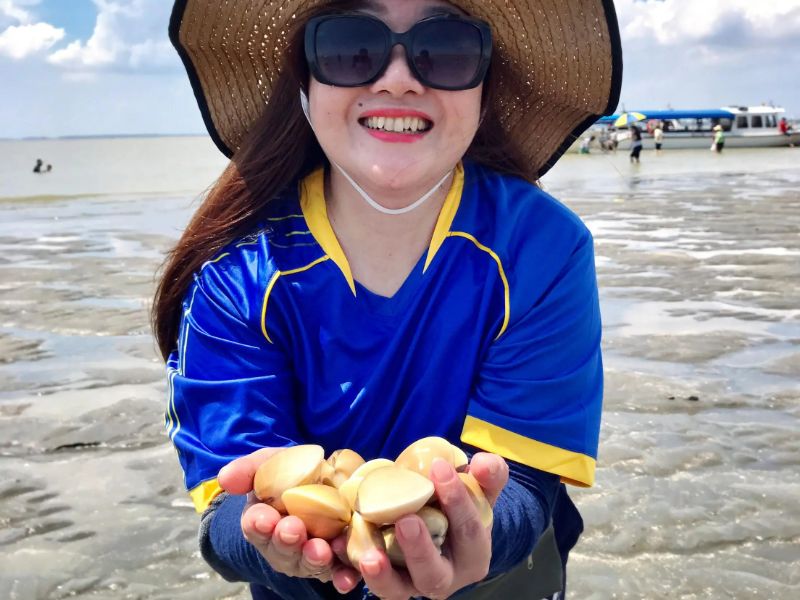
(388, 493)
(478, 498)
(291, 467)
(349, 489)
(361, 537)
(419, 456)
(323, 511)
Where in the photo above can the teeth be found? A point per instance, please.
(398, 125)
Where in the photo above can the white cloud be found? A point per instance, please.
(20, 41)
(728, 23)
(13, 11)
(710, 53)
(128, 34)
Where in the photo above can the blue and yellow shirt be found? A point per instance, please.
(492, 341)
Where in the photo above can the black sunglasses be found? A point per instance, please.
(446, 52)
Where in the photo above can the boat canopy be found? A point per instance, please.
(665, 115)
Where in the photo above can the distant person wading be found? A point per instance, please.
(636, 143)
(719, 139)
(40, 167)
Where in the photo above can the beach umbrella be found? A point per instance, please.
(627, 118)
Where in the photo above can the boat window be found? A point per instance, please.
(771, 121)
(741, 122)
(727, 124)
(758, 121)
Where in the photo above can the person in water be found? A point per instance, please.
(719, 139)
(636, 143)
(377, 264)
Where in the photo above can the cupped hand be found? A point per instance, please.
(283, 541)
(468, 550)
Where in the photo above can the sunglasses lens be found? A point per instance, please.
(447, 54)
(350, 51)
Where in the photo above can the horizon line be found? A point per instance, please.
(34, 138)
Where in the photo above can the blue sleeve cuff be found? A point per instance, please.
(225, 549)
(522, 513)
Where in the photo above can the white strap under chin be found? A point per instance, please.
(387, 211)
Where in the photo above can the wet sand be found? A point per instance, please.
(698, 481)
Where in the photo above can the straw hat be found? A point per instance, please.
(560, 64)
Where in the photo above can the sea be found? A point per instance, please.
(698, 479)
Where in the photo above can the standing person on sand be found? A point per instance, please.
(377, 265)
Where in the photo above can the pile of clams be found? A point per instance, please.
(364, 498)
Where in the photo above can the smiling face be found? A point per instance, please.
(396, 134)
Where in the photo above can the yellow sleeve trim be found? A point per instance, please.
(204, 493)
(501, 270)
(573, 468)
(312, 201)
(446, 215)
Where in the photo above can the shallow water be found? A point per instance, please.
(698, 481)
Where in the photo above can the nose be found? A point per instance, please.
(398, 79)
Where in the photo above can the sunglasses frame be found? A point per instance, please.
(406, 40)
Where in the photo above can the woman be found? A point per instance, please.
(376, 265)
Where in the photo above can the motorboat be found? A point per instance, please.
(743, 126)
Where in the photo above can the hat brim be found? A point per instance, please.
(560, 64)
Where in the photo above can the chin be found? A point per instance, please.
(396, 175)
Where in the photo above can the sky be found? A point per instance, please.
(105, 67)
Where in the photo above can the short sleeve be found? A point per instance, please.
(538, 396)
(231, 392)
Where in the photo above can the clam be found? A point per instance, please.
(478, 498)
(436, 524)
(419, 456)
(340, 466)
(323, 511)
(460, 459)
(289, 468)
(362, 536)
(388, 493)
(349, 488)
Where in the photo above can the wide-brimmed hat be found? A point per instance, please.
(560, 64)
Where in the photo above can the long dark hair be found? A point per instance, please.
(279, 150)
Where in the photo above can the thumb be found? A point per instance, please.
(491, 473)
(237, 476)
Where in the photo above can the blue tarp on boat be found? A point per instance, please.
(664, 115)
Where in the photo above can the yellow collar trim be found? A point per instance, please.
(312, 201)
(315, 211)
(447, 215)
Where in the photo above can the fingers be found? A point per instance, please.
(285, 548)
(345, 577)
(383, 580)
(237, 476)
(469, 541)
(258, 523)
(431, 574)
(316, 560)
(491, 473)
